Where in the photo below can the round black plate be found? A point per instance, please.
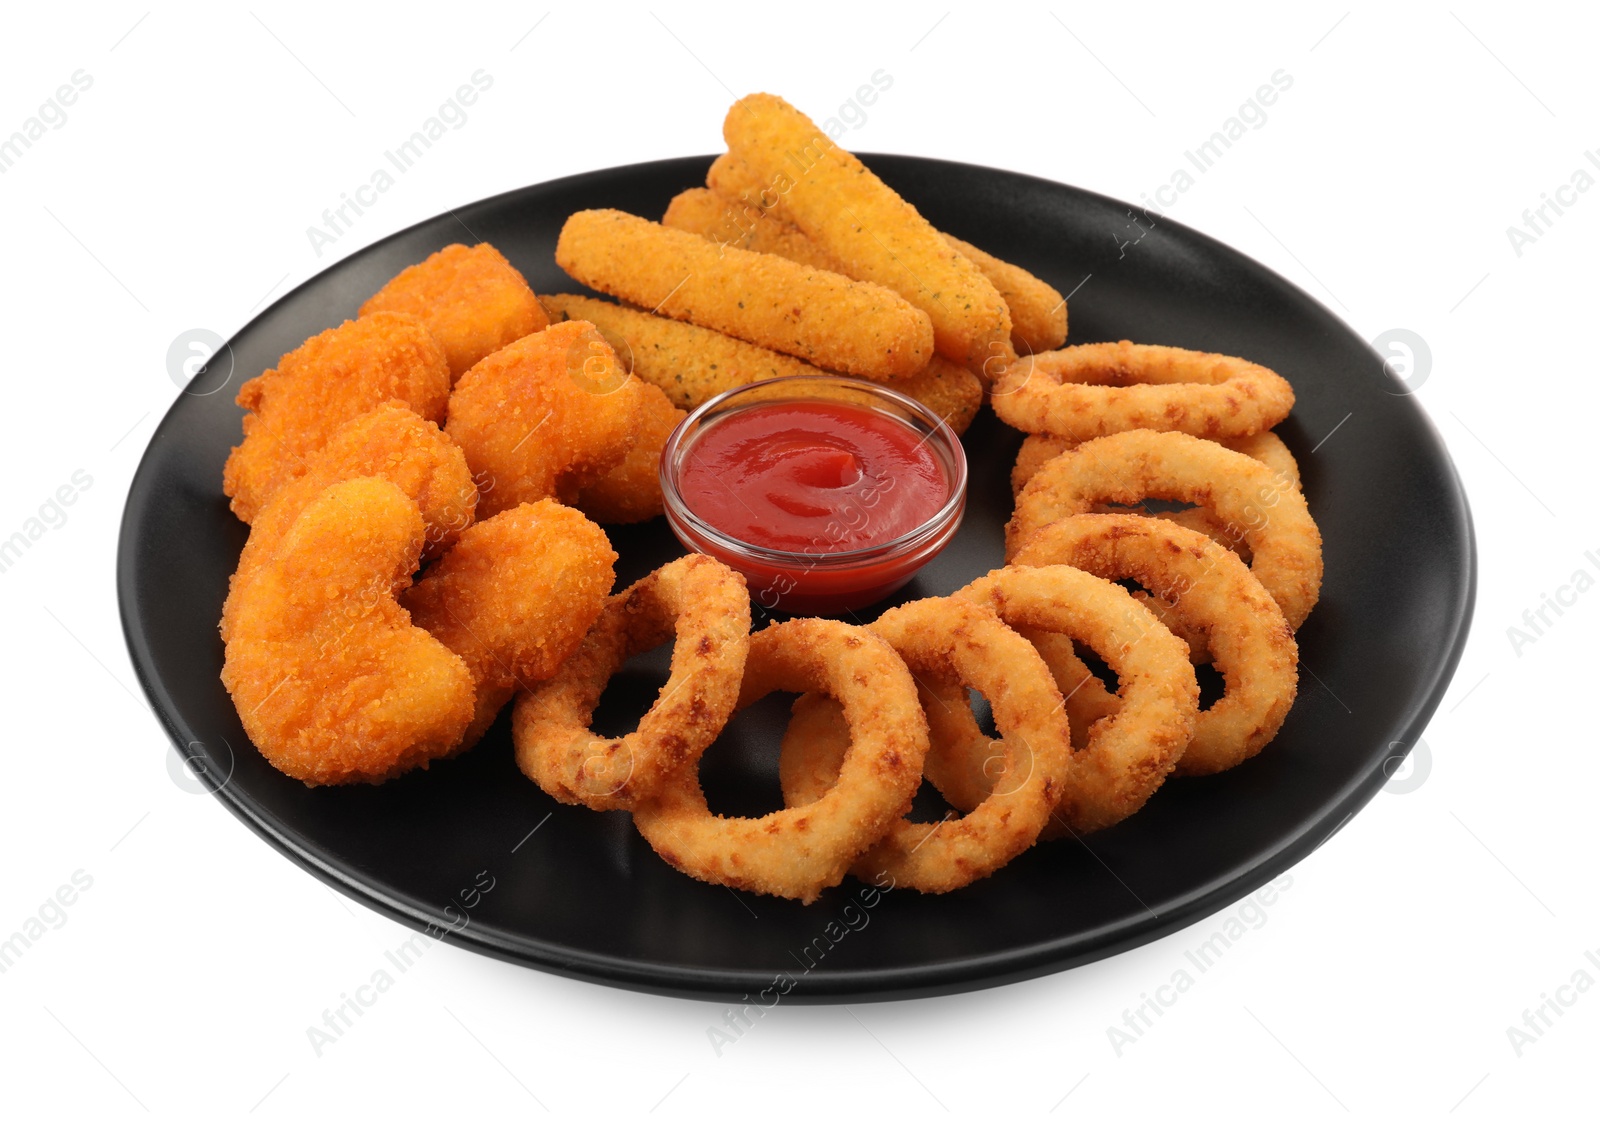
(471, 851)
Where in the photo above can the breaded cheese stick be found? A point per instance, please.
(878, 236)
(691, 364)
(825, 318)
(738, 199)
(735, 222)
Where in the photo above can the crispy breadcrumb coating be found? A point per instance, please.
(631, 492)
(332, 681)
(545, 416)
(390, 442)
(876, 235)
(315, 389)
(514, 597)
(472, 300)
(822, 317)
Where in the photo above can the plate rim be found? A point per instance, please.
(986, 970)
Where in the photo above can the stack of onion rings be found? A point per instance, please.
(1245, 495)
(800, 851)
(952, 642)
(1208, 590)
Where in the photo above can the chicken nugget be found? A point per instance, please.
(631, 493)
(332, 681)
(875, 234)
(544, 416)
(741, 209)
(472, 300)
(315, 389)
(392, 443)
(689, 363)
(823, 317)
(514, 597)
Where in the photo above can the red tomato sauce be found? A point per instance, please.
(812, 477)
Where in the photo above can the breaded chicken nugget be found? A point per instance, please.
(875, 234)
(824, 318)
(689, 363)
(740, 208)
(392, 443)
(631, 493)
(332, 681)
(315, 389)
(513, 598)
(472, 300)
(544, 416)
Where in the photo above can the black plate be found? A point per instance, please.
(585, 896)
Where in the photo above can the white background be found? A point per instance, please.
(1381, 983)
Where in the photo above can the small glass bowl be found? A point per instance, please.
(822, 582)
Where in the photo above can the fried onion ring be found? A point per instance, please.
(1266, 447)
(1092, 390)
(1206, 589)
(1129, 754)
(959, 642)
(706, 605)
(800, 851)
(1285, 545)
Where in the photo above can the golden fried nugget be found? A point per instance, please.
(472, 300)
(513, 598)
(631, 493)
(692, 364)
(332, 681)
(689, 363)
(859, 220)
(823, 317)
(392, 443)
(315, 389)
(544, 416)
(742, 211)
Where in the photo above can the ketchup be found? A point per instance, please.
(812, 477)
(802, 493)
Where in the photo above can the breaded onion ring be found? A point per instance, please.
(1266, 447)
(706, 605)
(1207, 589)
(800, 851)
(958, 641)
(1085, 695)
(1091, 390)
(1251, 503)
(1130, 754)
